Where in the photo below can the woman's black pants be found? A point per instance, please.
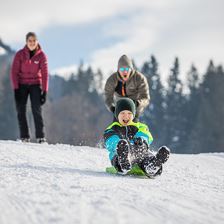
(34, 91)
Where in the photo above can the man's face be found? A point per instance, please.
(124, 73)
(125, 117)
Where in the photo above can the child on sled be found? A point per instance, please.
(128, 142)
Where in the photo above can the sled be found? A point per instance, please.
(135, 171)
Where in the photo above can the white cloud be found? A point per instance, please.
(192, 30)
(65, 71)
(68, 70)
(138, 35)
(19, 17)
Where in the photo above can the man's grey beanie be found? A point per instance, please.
(124, 61)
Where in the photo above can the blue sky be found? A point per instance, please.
(74, 42)
(100, 31)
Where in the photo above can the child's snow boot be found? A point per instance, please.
(153, 165)
(123, 156)
(163, 154)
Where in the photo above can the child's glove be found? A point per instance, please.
(112, 109)
(136, 103)
(138, 141)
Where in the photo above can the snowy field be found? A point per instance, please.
(67, 184)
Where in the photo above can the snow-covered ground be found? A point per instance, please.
(67, 184)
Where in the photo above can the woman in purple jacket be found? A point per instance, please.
(29, 76)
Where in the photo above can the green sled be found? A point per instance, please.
(136, 170)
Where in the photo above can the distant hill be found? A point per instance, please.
(5, 49)
(6, 56)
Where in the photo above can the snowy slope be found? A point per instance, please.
(67, 184)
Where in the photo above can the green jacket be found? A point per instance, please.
(115, 132)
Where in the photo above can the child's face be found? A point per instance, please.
(125, 117)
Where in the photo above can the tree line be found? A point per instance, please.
(187, 123)
(75, 113)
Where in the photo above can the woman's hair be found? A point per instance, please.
(30, 34)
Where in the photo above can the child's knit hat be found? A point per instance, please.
(124, 104)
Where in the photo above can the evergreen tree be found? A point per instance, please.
(154, 114)
(70, 86)
(99, 81)
(175, 120)
(85, 80)
(191, 108)
(208, 132)
(193, 80)
(83, 117)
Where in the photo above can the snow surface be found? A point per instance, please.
(67, 184)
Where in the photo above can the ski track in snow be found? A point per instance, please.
(68, 184)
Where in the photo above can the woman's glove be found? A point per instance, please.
(43, 98)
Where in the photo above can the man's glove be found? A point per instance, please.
(17, 95)
(43, 98)
(136, 103)
(112, 109)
